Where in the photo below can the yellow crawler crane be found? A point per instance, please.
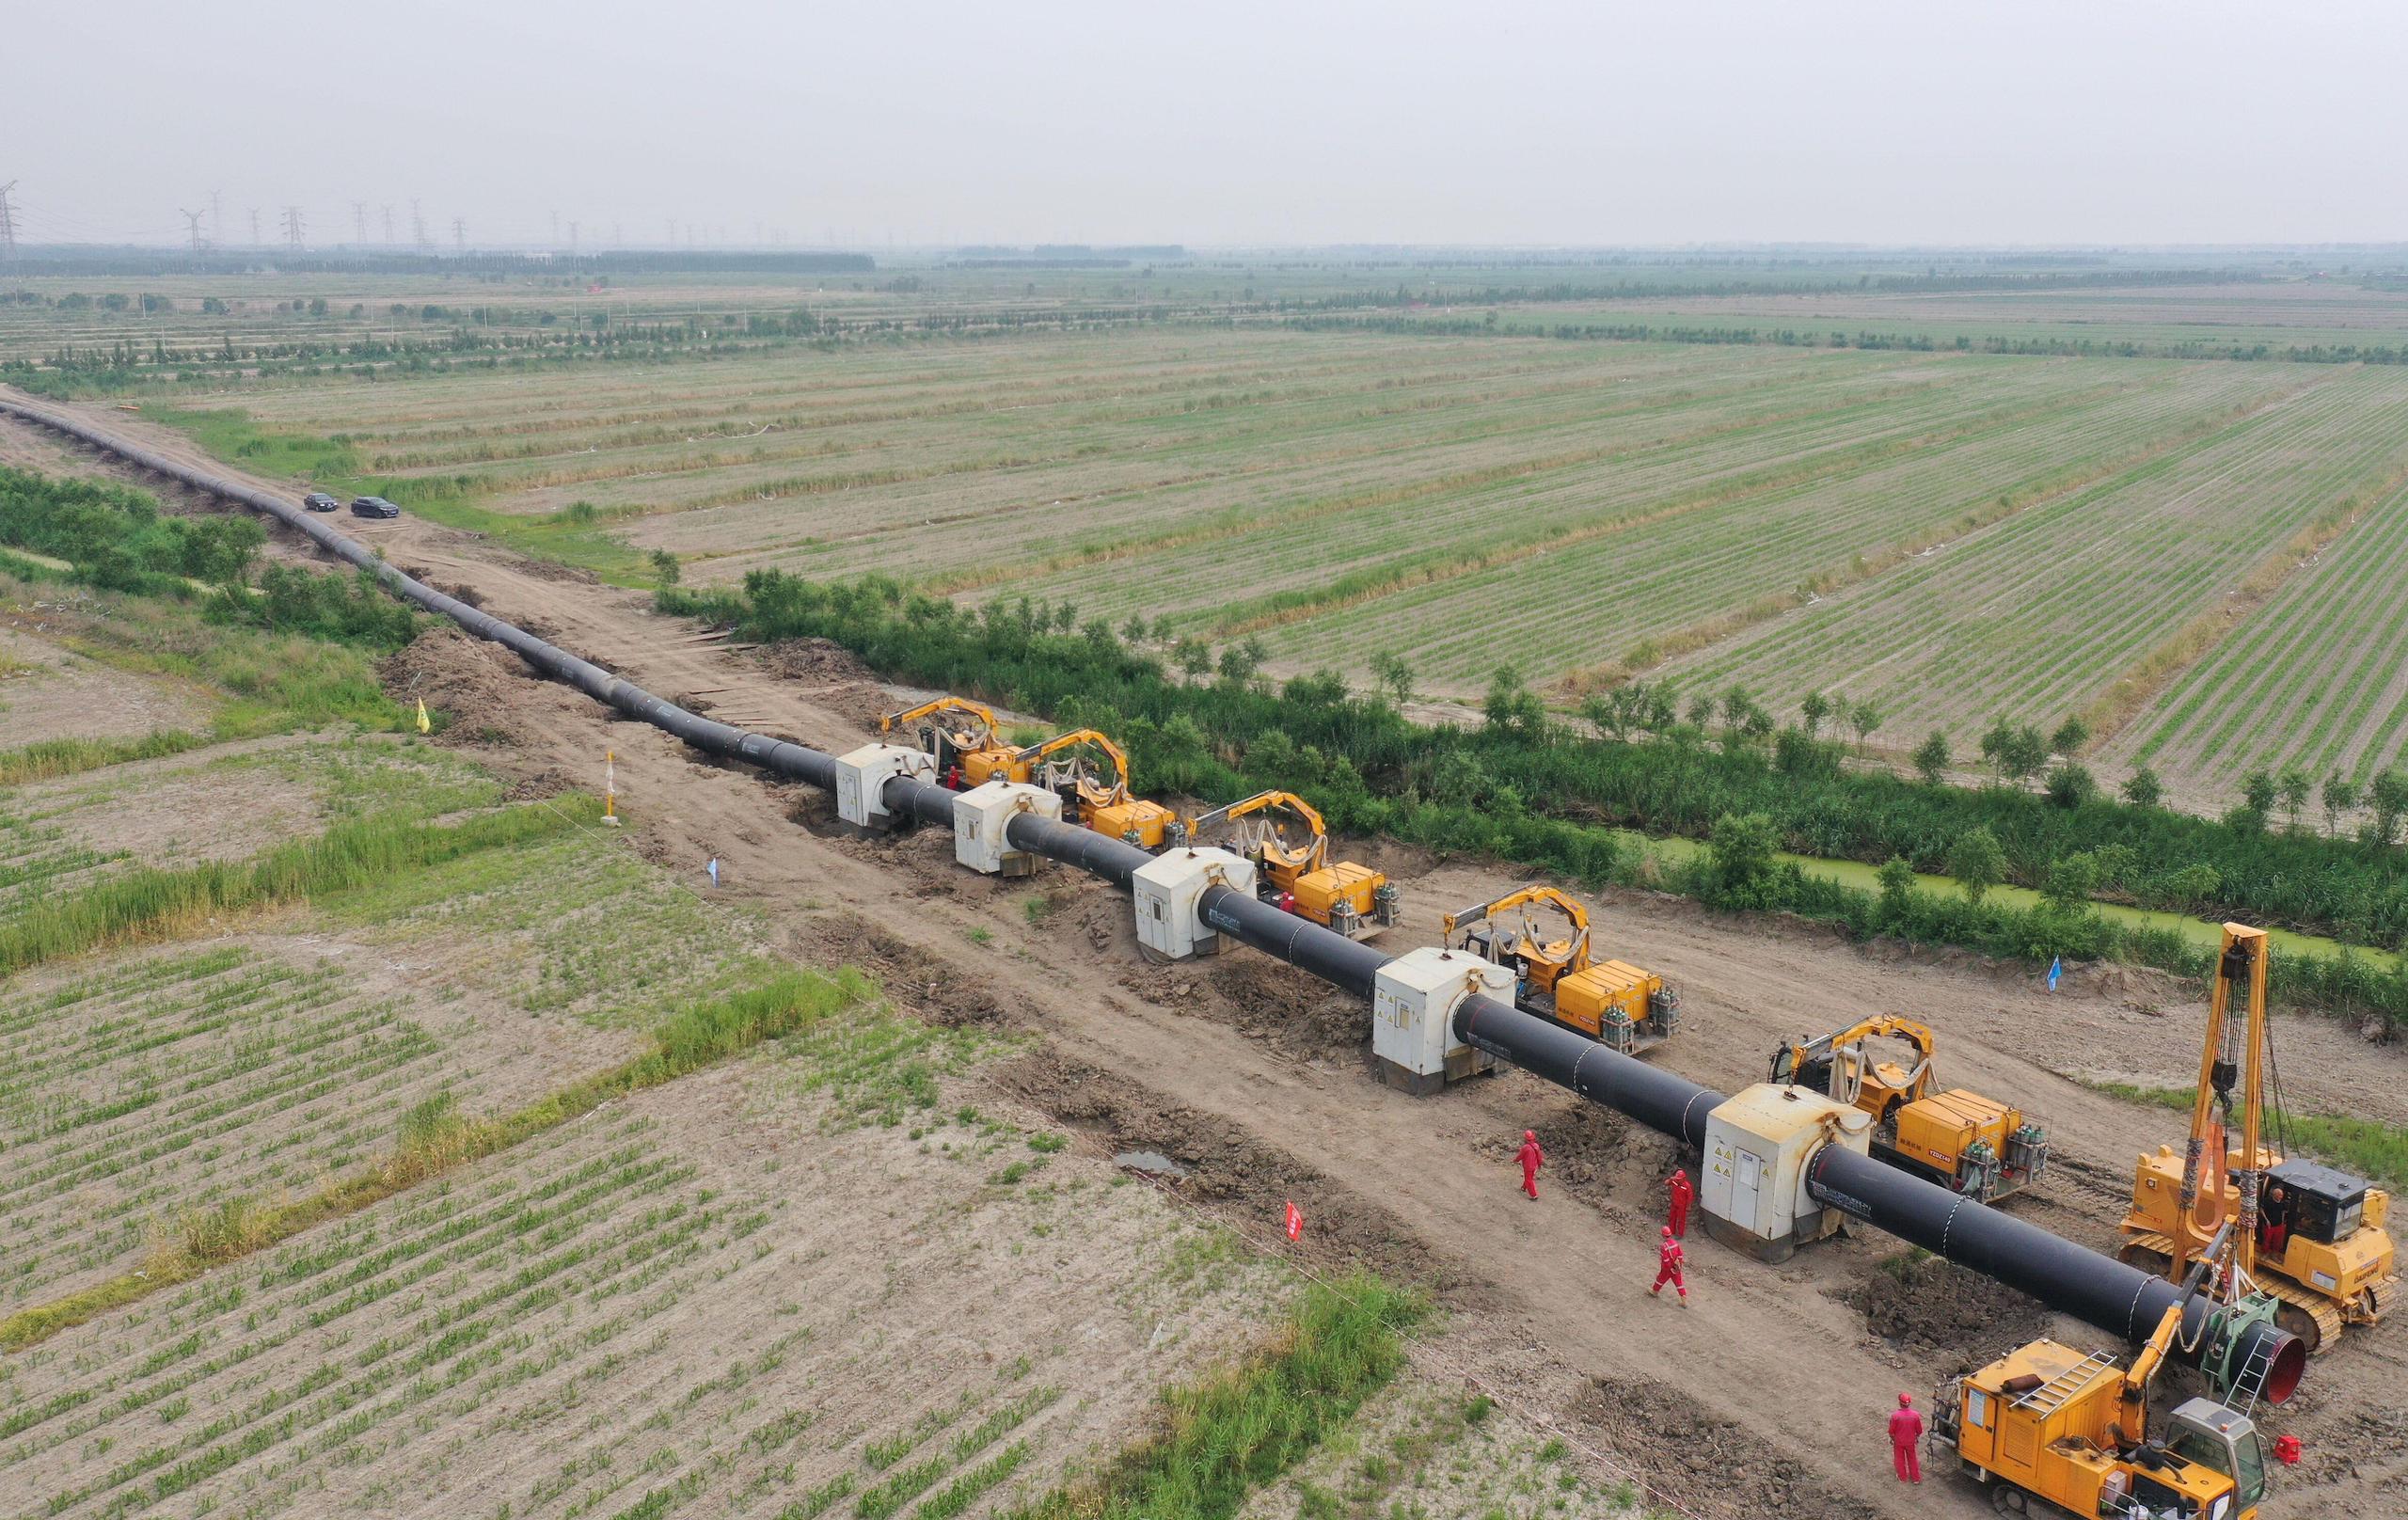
(1356, 900)
(2311, 1236)
(1611, 1002)
(959, 735)
(2053, 1430)
(1062, 765)
(1978, 1146)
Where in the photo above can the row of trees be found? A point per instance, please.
(1361, 759)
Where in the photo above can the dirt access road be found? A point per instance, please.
(1767, 1395)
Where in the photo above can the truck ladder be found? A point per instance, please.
(2045, 1399)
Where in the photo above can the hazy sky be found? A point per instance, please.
(1017, 120)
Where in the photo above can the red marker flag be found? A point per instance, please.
(1295, 1222)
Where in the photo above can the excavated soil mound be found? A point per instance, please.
(1716, 1468)
(1938, 1309)
(836, 677)
(1265, 998)
(481, 685)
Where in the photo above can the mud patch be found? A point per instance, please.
(1941, 1313)
(919, 982)
(1712, 1467)
(1229, 1172)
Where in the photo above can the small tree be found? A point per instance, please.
(2388, 796)
(1977, 862)
(1897, 891)
(1133, 632)
(1700, 710)
(1741, 849)
(1864, 717)
(2340, 794)
(1814, 709)
(1065, 617)
(1394, 676)
(1512, 707)
(1195, 658)
(2295, 788)
(1931, 758)
(2070, 784)
(1239, 662)
(1736, 705)
(2257, 792)
(2070, 881)
(666, 567)
(2143, 789)
(2070, 736)
(1166, 632)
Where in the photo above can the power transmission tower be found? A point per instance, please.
(668, 235)
(292, 228)
(216, 218)
(255, 226)
(359, 221)
(418, 227)
(192, 222)
(556, 229)
(7, 225)
(572, 237)
(388, 224)
(459, 234)
(615, 238)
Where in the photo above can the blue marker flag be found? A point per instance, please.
(2056, 969)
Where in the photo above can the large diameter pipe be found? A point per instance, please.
(1658, 1099)
(2119, 1299)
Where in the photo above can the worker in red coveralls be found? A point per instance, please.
(1668, 1268)
(1906, 1438)
(1677, 1216)
(1531, 1158)
(953, 778)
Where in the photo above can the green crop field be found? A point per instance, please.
(1961, 491)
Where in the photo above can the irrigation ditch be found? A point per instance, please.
(2121, 1300)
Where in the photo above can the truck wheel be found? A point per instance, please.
(2005, 1497)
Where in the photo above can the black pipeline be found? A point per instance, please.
(2116, 1298)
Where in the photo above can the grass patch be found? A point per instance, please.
(1244, 1426)
(568, 537)
(52, 758)
(2369, 1147)
(433, 1137)
(151, 903)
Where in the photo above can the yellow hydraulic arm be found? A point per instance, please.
(1280, 856)
(1795, 1057)
(892, 722)
(1547, 959)
(1029, 759)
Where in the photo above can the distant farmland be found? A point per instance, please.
(2188, 554)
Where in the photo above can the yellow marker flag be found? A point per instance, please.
(423, 724)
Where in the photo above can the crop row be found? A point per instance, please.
(1441, 494)
(2317, 678)
(179, 1082)
(2040, 613)
(1581, 603)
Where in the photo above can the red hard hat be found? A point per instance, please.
(1667, 1232)
(1680, 1171)
(1906, 1401)
(1529, 1134)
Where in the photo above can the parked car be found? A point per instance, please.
(373, 506)
(320, 501)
